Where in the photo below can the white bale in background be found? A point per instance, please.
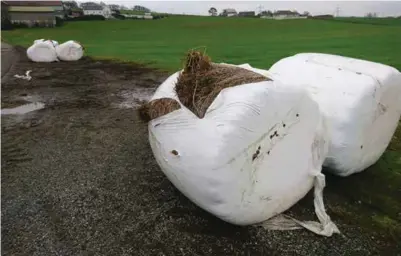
(258, 150)
(42, 51)
(361, 101)
(70, 51)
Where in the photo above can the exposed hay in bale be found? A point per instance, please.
(201, 81)
(157, 108)
(198, 85)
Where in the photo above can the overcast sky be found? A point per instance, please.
(346, 8)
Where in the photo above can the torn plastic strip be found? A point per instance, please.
(326, 227)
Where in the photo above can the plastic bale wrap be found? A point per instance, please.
(361, 101)
(257, 150)
(55, 43)
(70, 51)
(42, 51)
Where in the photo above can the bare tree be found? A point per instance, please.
(213, 11)
(306, 13)
(70, 4)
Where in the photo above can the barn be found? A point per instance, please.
(35, 13)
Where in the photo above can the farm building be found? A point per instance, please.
(4, 11)
(91, 8)
(33, 13)
(283, 14)
(5, 19)
(139, 8)
(246, 14)
(229, 12)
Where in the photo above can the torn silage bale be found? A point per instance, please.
(244, 150)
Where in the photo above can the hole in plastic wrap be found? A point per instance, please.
(256, 154)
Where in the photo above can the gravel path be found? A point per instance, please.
(8, 58)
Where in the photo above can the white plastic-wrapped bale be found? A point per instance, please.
(42, 51)
(70, 51)
(257, 151)
(360, 99)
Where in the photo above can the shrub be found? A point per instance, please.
(118, 16)
(59, 22)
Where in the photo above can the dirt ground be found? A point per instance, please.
(79, 178)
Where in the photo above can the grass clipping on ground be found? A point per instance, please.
(198, 85)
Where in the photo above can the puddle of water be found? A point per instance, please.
(133, 98)
(23, 109)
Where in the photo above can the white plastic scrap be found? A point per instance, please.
(27, 76)
(360, 100)
(258, 150)
(23, 109)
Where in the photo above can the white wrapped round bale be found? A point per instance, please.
(361, 101)
(70, 51)
(42, 51)
(257, 151)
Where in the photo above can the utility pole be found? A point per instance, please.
(260, 8)
(338, 11)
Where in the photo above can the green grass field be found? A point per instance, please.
(162, 43)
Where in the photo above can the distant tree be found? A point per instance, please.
(371, 15)
(306, 13)
(70, 4)
(213, 11)
(114, 7)
(265, 13)
(102, 4)
(123, 7)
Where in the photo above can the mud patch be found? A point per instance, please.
(134, 98)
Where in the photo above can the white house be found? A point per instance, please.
(91, 8)
(229, 12)
(285, 14)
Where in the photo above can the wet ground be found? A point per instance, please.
(79, 178)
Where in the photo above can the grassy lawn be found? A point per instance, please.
(162, 43)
